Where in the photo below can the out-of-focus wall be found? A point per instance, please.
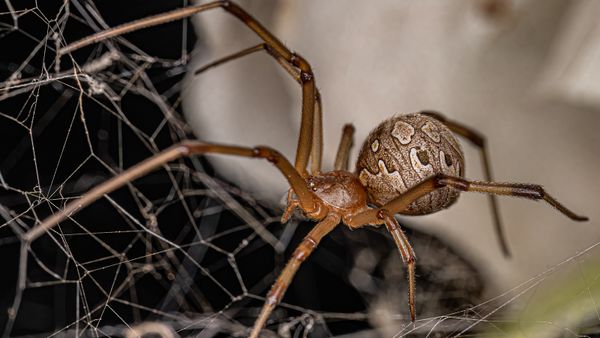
(498, 69)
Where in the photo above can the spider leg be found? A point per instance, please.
(479, 141)
(407, 253)
(384, 213)
(343, 152)
(295, 73)
(304, 249)
(309, 94)
(531, 191)
(233, 56)
(292, 204)
(317, 144)
(307, 201)
(316, 155)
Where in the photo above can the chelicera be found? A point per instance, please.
(410, 164)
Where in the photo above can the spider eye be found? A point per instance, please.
(423, 157)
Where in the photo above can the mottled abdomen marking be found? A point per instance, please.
(403, 131)
(411, 148)
(390, 182)
(430, 129)
(375, 146)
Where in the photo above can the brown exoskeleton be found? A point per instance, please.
(410, 164)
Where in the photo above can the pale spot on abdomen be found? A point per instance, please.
(431, 131)
(375, 146)
(390, 183)
(403, 132)
(422, 167)
(448, 165)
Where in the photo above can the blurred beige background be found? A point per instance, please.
(524, 73)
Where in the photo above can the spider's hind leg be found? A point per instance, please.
(478, 140)
(406, 252)
(401, 203)
(304, 249)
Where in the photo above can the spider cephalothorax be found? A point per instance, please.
(340, 190)
(410, 164)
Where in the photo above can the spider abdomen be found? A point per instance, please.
(403, 151)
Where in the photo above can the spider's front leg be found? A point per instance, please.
(341, 163)
(306, 200)
(310, 140)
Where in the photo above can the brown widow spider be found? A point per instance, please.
(410, 164)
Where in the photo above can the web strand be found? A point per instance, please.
(181, 247)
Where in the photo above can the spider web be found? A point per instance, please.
(179, 251)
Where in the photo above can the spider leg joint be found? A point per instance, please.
(305, 248)
(305, 76)
(270, 154)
